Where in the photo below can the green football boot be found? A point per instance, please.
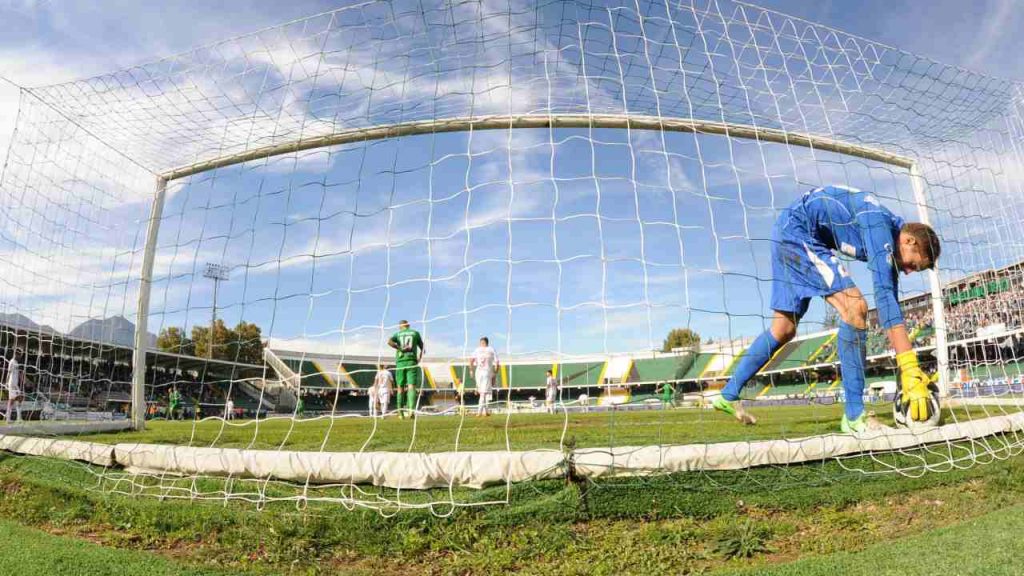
(866, 422)
(855, 426)
(734, 409)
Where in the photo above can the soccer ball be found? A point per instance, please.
(901, 413)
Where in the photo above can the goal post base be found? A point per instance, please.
(421, 471)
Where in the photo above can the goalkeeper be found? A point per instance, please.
(804, 265)
(408, 345)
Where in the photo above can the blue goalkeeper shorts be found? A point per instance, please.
(803, 267)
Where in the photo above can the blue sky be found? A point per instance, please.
(592, 242)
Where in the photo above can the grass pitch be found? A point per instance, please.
(801, 520)
(988, 545)
(32, 552)
(497, 432)
(522, 431)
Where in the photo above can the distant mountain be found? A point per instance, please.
(24, 322)
(114, 330)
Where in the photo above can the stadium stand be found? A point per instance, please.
(721, 364)
(310, 372)
(318, 401)
(462, 377)
(826, 354)
(661, 369)
(248, 404)
(644, 398)
(357, 374)
(700, 364)
(580, 374)
(797, 353)
(786, 390)
(996, 371)
(532, 376)
(527, 376)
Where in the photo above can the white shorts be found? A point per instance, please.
(551, 395)
(483, 381)
(384, 398)
(483, 378)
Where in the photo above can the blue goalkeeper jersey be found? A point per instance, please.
(855, 223)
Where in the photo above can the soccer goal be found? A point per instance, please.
(216, 250)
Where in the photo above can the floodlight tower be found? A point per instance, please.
(218, 273)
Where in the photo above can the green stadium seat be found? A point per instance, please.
(698, 366)
(310, 372)
(581, 373)
(663, 369)
(361, 375)
(526, 376)
(796, 353)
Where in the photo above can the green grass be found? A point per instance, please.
(522, 431)
(989, 545)
(30, 552)
(682, 524)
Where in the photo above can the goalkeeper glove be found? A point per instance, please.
(913, 386)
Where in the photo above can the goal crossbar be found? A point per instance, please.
(519, 121)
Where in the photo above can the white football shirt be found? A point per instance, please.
(382, 380)
(486, 358)
(13, 376)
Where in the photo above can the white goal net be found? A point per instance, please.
(218, 246)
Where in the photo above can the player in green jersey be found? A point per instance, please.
(174, 401)
(408, 345)
(668, 395)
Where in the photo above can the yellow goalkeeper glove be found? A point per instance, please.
(913, 386)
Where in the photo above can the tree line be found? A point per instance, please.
(681, 338)
(243, 343)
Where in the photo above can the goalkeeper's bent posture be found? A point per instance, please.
(806, 234)
(408, 345)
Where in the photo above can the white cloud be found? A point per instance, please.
(993, 28)
(9, 96)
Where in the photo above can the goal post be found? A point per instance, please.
(935, 287)
(142, 316)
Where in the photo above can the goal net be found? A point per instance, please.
(216, 249)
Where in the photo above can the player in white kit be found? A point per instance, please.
(380, 392)
(14, 391)
(585, 402)
(550, 392)
(485, 363)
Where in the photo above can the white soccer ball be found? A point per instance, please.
(901, 414)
